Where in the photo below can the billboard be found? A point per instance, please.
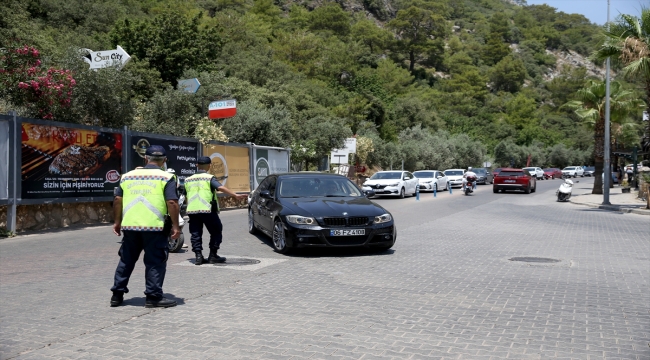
(230, 161)
(340, 156)
(181, 155)
(269, 161)
(65, 162)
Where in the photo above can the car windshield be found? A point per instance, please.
(454, 172)
(590, 168)
(318, 187)
(530, 169)
(423, 174)
(511, 173)
(479, 171)
(569, 168)
(393, 175)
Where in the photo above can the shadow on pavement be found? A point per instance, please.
(327, 252)
(139, 301)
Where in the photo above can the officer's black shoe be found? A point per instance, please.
(162, 302)
(215, 259)
(117, 298)
(199, 259)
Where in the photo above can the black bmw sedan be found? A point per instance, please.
(299, 210)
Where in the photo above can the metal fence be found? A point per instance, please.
(43, 162)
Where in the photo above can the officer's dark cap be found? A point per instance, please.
(155, 150)
(203, 160)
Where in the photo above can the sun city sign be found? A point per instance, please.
(106, 58)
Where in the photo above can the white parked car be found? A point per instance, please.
(429, 179)
(536, 172)
(393, 183)
(455, 177)
(573, 171)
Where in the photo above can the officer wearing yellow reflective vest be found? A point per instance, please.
(142, 201)
(203, 209)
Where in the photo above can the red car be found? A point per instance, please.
(552, 173)
(514, 179)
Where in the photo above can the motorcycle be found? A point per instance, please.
(469, 186)
(564, 192)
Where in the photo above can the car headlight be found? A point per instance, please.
(383, 219)
(301, 220)
(395, 184)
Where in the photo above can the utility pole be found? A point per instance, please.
(607, 177)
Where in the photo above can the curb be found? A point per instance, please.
(616, 208)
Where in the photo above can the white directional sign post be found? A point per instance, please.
(107, 58)
(189, 85)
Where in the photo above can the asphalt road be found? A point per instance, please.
(447, 289)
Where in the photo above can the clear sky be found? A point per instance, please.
(596, 10)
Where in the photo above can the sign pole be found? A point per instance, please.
(13, 175)
(607, 178)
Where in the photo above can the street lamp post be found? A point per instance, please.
(607, 173)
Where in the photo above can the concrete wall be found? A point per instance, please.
(53, 216)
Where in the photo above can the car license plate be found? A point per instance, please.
(353, 232)
(509, 181)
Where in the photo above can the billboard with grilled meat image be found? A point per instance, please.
(65, 162)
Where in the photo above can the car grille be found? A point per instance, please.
(376, 186)
(340, 221)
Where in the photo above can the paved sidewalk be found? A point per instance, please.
(627, 203)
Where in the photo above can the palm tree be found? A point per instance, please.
(628, 43)
(590, 107)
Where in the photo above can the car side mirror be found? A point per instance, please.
(265, 194)
(407, 178)
(369, 193)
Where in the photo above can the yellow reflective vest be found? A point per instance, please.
(143, 199)
(199, 193)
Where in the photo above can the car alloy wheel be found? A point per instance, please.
(251, 223)
(401, 193)
(279, 238)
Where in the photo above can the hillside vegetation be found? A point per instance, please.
(436, 83)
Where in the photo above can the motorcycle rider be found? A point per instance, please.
(469, 173)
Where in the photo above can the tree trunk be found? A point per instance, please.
(412, 60)
(599, 155)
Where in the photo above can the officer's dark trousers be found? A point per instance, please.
(212, 222)
(156, 249)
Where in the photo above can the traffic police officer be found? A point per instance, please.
(203, 209)
(143, 199)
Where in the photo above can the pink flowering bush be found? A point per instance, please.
(42, 91)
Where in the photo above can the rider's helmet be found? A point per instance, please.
(469, 168)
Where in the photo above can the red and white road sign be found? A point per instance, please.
(222, 109)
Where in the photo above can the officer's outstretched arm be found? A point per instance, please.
(225, 190)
